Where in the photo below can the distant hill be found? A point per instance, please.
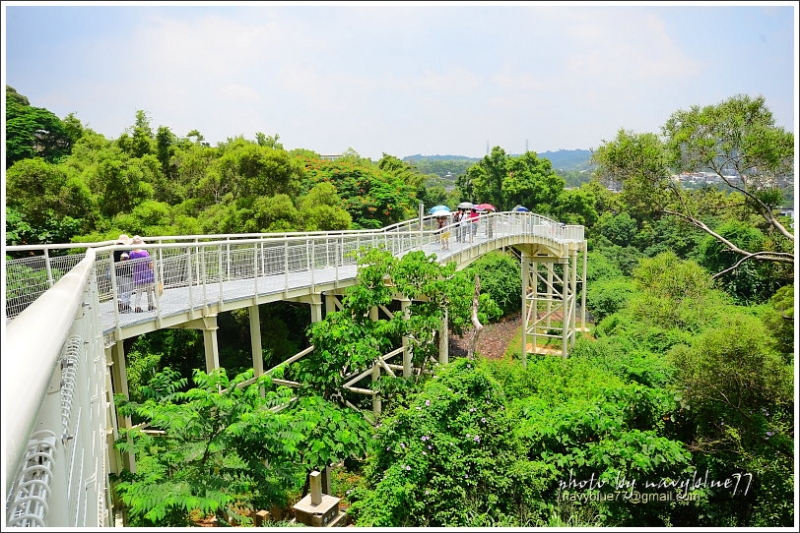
(418, 157)
(563, 160)
(568, 159)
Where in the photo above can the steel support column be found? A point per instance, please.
(549, 285)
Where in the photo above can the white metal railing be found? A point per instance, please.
(56, 405)
(199, 261)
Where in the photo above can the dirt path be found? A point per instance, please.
(494, 339)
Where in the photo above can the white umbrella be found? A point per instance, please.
(465, 205)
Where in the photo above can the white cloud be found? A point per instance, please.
(408, 78)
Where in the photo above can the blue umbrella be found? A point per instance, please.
(439, 208)
(521, 209)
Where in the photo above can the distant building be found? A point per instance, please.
(330, 157)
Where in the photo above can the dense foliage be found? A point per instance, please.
(682, 393)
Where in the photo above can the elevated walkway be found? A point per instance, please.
(63, 321)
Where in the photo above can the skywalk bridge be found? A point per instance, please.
(64, 357)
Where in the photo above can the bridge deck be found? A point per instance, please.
(177, 301)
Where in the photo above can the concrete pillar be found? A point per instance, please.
(326, 480)
(316, 307)
(112, 428)
(444, 340)
(119, 378)
(315, 484)
(405, 308)
(330, 303)
(255, 340)
(210, 343)
(376, 398)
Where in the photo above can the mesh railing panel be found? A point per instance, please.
(272, 255)
(27, 500)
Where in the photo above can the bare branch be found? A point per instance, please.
(759, 256)
(763, 208)
(477, 326)
(778, 257)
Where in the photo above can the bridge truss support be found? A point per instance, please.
(550, 288)
(208, 325)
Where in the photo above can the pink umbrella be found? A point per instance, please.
(485, 207)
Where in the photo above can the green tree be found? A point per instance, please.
(274, 214)
(675, 293)
(123, 184)
(500, 278)
(254, 170)
(322, 209)
(750, 282)
(576, 206)
(484, 180)
(779, 319)
(45, 192)
(532, 182)
(374, 198)
(35, 131)
(619, 229)
(405, 172)
(738, 397)
(737, 140)
(606, 297)
(639, 164)
(227, 445)
(139, 140)
(350, 341)
(165, 149)
(270, 141)
(450, 458)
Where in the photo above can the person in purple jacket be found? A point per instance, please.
(143, 277)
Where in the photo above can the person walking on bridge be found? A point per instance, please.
(122, 270)
(143, 276)
(474, 218)
(457, 223)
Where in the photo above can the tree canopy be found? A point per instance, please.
(737, 140)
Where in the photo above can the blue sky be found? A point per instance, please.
(400, 78)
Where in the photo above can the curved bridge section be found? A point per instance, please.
(62, 319)
(205, 275)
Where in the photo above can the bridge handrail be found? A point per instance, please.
(30, 276)
(406, 225)
(39, 333)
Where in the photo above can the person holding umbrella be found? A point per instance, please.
(487, 208)
(457, 218)
(443, 231)
(442, 213)
(474, 218)
(461, 221)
